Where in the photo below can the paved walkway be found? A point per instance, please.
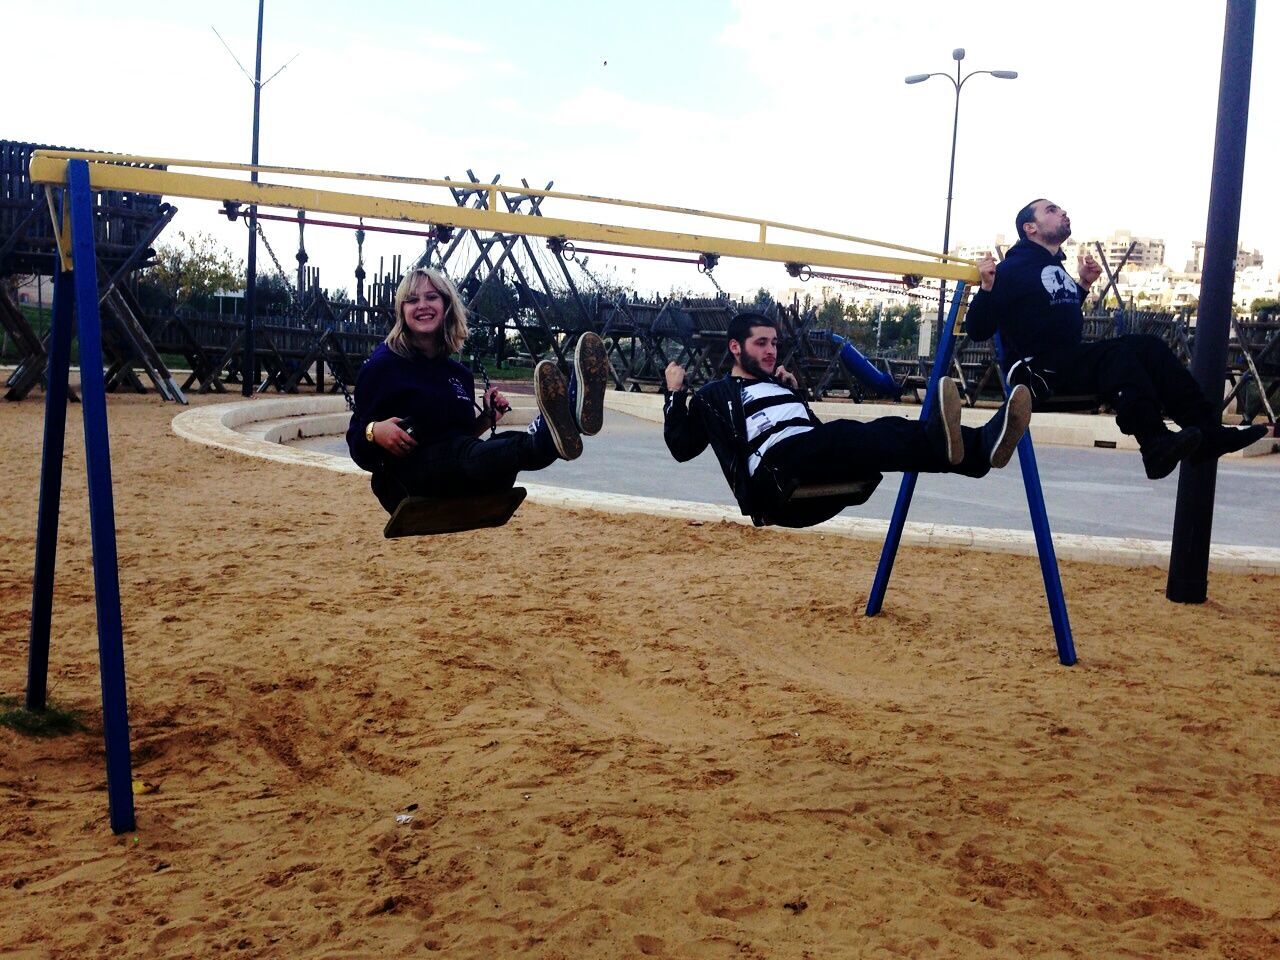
(1101, 505)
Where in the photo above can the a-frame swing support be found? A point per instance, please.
(75, 294)
(76, 175)
(1031, 483)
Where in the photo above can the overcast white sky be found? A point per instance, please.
(794, 111)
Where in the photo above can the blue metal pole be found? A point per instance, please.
(1044, 537)
(889, 552)
(1044, 549)
(55, 429)
(102, 527)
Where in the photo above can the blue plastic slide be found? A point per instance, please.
(864, 370)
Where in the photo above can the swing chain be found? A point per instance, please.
(284, 278)
(297, 304)
(922, 292)
(707, 263)
(478, 367)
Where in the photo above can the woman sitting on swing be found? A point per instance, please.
(416, 427)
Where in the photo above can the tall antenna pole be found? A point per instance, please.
(249, 372)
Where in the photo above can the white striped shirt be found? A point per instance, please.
(773, 413)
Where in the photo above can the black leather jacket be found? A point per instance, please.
(713, 416)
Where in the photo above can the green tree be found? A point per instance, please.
(193, 269)
(1265, 307)
(900, 325)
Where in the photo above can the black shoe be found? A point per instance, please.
(1219, 440)
(1002, 433)
(591, 376)
(943, 425)
(1165, 451)
(552, 393)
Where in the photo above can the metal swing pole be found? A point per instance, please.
(893, 537)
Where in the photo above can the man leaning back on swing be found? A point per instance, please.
(770, 444)
(1036, 308)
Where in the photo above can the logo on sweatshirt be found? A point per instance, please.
(1062, 289)
(459, 390)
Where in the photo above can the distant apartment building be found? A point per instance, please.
(997, 247)
(1148, 253)
(1254, 283)
(1244, 258)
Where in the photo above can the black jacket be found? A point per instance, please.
(714, 416)
(1033, 304)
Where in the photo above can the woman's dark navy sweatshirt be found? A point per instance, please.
(1033, 304)
(438, 393)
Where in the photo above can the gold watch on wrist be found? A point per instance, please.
(368, 431)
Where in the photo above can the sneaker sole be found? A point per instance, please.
(552, 393)
(591, 369)
(1017, 417)
(949, 398)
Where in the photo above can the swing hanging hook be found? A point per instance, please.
(800, 270)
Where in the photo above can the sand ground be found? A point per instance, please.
(617, 737)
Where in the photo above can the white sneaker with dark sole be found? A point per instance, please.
(591, 371)
(551, 390)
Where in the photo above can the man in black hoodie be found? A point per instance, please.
(1036, 308)
(769, 442)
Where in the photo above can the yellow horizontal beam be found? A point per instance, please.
(492, 190)
(108, 173)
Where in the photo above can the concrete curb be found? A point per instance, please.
(262, 428)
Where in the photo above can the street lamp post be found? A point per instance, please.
(958, 82)
(249, 365)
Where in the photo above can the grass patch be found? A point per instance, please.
(52, 721)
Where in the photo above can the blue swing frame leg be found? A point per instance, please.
(81, 288)
(1044, 548)
(907, 489)
(1035, 503)
(55, 430)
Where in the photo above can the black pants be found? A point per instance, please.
(1138, 375)
(458, 467)
(847, 451)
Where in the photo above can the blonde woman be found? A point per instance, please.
(417, 427)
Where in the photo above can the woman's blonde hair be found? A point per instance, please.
(453, 332)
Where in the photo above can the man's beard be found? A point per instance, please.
(1057, 238)
(752, 366)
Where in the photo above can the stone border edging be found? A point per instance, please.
(215, 425)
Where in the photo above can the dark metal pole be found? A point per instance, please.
(1193, 515)
(249, 372)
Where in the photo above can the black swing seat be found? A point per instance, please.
(425, 516)
(803, 505)
(853, 491)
